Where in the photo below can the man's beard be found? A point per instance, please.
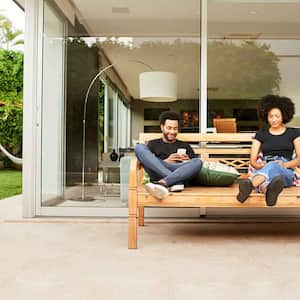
(168, 139)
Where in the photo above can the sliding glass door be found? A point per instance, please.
(226, 54)
(85, 155)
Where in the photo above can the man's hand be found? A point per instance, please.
(175, 157)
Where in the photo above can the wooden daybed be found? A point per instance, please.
(230, 148)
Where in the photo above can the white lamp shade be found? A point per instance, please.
(158, 86)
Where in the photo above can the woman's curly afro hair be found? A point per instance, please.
(284, 104)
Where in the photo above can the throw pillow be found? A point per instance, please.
(297, 176)
(146, 178)
(214, 173)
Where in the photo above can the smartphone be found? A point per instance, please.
(181, 151)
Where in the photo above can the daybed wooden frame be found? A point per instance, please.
(228, 148)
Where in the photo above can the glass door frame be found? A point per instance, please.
(32, 205)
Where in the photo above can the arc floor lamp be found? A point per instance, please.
(154, 86)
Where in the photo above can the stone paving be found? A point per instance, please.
(73, 258)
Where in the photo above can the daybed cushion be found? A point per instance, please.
(215, 173)
(212, 173)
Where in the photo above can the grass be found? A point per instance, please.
(10, 183)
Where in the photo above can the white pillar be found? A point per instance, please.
(32, 65)
(203, 69)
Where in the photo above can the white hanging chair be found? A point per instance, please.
(13, 158)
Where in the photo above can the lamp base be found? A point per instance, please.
(85, 199)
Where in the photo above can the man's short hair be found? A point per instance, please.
(168, 115)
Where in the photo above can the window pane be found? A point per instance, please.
(253, 50)
(130, 40)
(52, 107)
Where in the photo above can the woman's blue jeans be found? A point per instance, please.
(172, 173)
(272, 170)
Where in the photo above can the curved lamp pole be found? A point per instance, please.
(84, 122)
(84, 129)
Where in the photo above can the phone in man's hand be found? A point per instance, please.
(181, 151)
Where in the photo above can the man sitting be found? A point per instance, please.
(169, 162)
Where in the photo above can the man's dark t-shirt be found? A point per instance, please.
(281, 145)
(163, 150)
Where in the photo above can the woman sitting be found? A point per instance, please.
(277, 144)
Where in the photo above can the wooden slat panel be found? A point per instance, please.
(202, 137)
(237, 163)
(214, 151)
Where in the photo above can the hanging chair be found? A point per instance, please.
(13, 158)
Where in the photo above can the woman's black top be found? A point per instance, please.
(281, 145)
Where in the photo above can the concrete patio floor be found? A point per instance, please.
(77, 258)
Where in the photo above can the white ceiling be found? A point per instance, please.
(254, 12)
(143, 17)
(179, 18)
(165, 17)
(139, 9)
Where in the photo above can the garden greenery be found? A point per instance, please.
(11, 95)
(236, 69)
(11, 71)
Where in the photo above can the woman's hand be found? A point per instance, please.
(254, 153)
(259, 166)
(280, 163)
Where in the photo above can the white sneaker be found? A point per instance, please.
(177, 188)
(156, 190)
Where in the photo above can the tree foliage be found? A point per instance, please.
(11, 95)
(11, 117)
(9, 36)
(245, 70)
(11, 71)
(236, 69)
(11, 87)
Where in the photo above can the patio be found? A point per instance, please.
(87, 258)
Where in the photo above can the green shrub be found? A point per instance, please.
(11, 71)
(11, 95)
(11, 118)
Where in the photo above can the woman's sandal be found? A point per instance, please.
(245, 189)
(274, 188)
